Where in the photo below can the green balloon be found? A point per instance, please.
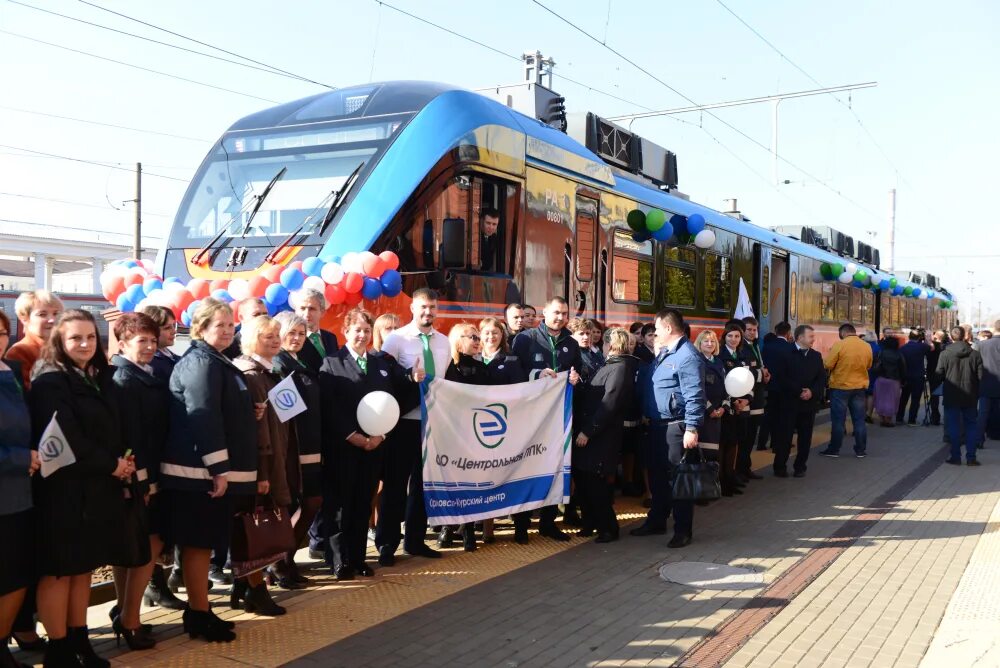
(908, 291)
(636, 220)
(838, 269)
(826, 271)
(655, 219)
(893, 282)
(859, 276)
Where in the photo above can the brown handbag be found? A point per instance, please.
(260, 538)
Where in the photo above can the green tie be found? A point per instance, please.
(428, 355)
(363, 363)
(318, 343)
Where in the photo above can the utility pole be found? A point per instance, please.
(137, 244)
(892, 229)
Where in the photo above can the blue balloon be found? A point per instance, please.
(663, 233)
(186, 319)
(898, 290)
(679, 223)
(272, 309)
(857, 284)
(123, 304)
(222, 295)
(312, 266)
(371, 289)
(151, 284)
(172, 279)
(131, 263)
(328, 256)
(292, 278)
(276, 293)
(192, 307)
(392, 282)
(916, 292)
(883, 284)
(135, 293)
(695, 223)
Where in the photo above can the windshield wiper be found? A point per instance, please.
(260, 200)
(341, 197)
(298, 230)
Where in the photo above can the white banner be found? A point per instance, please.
(286, 399)
(53, 449)
(492, 451)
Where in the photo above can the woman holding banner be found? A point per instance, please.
(80, 502)
(346, 380)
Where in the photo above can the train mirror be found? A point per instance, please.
(452, 251)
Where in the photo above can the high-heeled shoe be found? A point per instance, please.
(37, 645)
(198, 623)
(158, 594)
(7, 659)
(79, 641)
(114, 613)
(136, 639)
(258, 600)
(237, 593)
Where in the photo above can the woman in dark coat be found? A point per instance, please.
(345, 379)
(715, 393)
(210, 458)
(306, 434)
(600, 423)
(889, 370)
(144, 407)
(164, 359)
(81, 505)
(733, 354)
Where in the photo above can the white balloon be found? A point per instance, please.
(851, 268)
(173, 287)
(156, 297)
(314, 283)
(352, 262)
(704, 239)
(239, 289)
(332, 273)
(846, 277)
(739, 382)
(378, 413)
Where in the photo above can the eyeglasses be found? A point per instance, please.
(4, 333)
(474, 337)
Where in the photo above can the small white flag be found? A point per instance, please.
(53, 449)
(286, 399)
(743, 307)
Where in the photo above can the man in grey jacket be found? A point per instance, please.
(989, 388)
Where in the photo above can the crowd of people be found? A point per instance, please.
(170, 448)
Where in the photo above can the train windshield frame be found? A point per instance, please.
(319, 158)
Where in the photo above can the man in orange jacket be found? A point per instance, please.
(848, 363)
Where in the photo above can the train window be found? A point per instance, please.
(718, 282)
(765, 289)
(586, 223)
(680, 277)
(494, 208)
(843, 301)
(868, 308)
(793, 295)
(856, 312)
(827, 302)
(631, 269)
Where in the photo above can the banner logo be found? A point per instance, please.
(490, 424)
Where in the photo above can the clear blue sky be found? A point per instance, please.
(933, 112)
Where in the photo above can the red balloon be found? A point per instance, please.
(353, 282)
(334, 294)
(296, 265)
(373, 266)
(258, 286)
(353, 298)
(218, 284)
(133, 279)
(390, 259)
(176, 311)
(113, 286)
(199, 287)
(274, 273)
(182, 299)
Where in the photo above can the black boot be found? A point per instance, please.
(79, 639)
(259, 601)
(59, 654)
(447, 537)
(469, 537)
(237, 593)
(7, 660)
(200, 623)
(159, 594)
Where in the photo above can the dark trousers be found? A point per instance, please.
(766, 430)
(957, 421)
(731, 437)
(912, 389)
(402, 490)
(596, 498)
(347, 519)
(546, 518)
(790, 422)
(934, 402)
(666, 447)
(319, 531)
(748, 438)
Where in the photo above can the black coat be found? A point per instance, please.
(592, 362)
(80, 508)
(715, 398)
(467, 370)
(312, 357)
(962, 369)
(805, 371)
(729, 363)
(343, 386)
(163, 365)
(603, 403)
(535, 349)
(307, 426)
(144, 407)
(890, 364)
(506, 370)
(755, 362)
(989, 351)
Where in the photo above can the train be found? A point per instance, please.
(411, 166)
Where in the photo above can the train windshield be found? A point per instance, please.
(318, 162)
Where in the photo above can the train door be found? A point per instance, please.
(777, 309)
(769, 291)
(585, 246)
(793, 291)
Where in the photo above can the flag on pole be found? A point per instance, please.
(53, 449)
(743, 306)
(286, 399)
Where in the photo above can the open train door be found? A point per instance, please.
(793, 291)
(770, 293)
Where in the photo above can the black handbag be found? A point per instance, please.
(135, 550)
(696, 479)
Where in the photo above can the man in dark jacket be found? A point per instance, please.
(961, 367)
(762, 376)
(320, 344)
(545, 351)
(989, 390)
(915, 353)
(799, 388)
(774, 348)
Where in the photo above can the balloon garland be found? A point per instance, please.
(132, 285)
(677, 231)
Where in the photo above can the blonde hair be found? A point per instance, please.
(619, 341)
(253, 329)
(203, 315)
(456, 334)
(288, 321)
(499, 324)
(707, 334)
(26, 302)
(381, 323)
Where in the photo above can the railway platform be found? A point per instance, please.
(886, 561)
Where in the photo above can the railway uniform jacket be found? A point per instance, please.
(272, 433)
(962, 368)
(15, 443)
(144, 406)
(731, 360)
(505, 370)
(313, 356)
(537, 351)
(715, 398)
(672, 387)
(604, 401)
(306, 427)
(163, 365)
(213, 430)
(755, 362)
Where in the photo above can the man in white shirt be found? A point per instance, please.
(414, 345)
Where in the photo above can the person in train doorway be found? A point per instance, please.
(247, 310)
(416, 345)
(547, 350)
(774, 346)
(489, 241)
(761, 375)
(915, 352)
(673, 400)
(799, 383)
(848, 363)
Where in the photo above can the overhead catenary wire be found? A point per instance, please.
(98, 163)
(103, 207)
(103, 124)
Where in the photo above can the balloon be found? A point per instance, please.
(171, 287)
(817, 277)
(739, 382)
(186, 319)
(695, 223)
(296, 265)
(641, 237)
(859, 276)
(192, 307)
(151, 284)
(826, 270)
(655, 219)
(845, 278)
(352, 263)
(352, 298)
(883, 284)
(390, 259)
(334, 294)
(198, 287)
(378, 413)
(703, 239)
(273, 274)
(908, 291)
(314, 283)
(837, 269)
(893, 282)
(135, 293)
(218, 284)
(898, 290)
(636, 219)
(353, 282)
(133, 279)
(371, 289)
(292, 278)
(222, 295)
(112, 287)
(373, 266)
(392, 283)
(312, 266)
(851, 267)
(276, 294)
(257, 286)
(239, 288)
(158, 297)
(123, 303)
(332, 273)
(146, 264)
(172, 279)
(679, 223)
(183, 299)
(663, 233)
(930, 294)
(857, 284)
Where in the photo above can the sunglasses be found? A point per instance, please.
(474, 337)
